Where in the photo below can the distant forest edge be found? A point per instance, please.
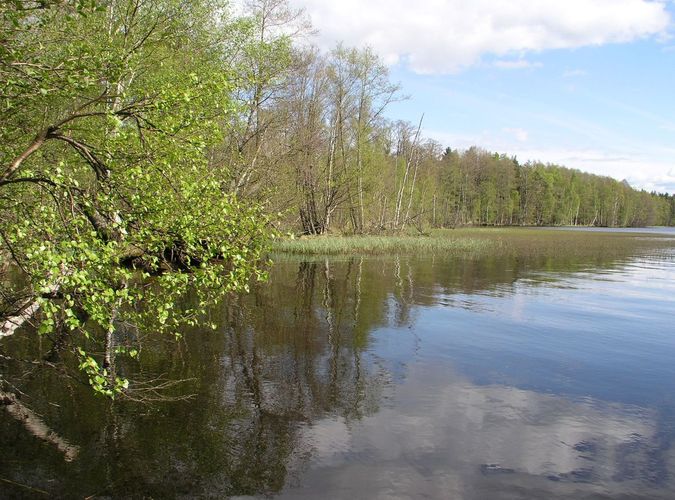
(476, 187)
(327, 158)
(311, 142)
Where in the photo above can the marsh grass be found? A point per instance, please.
(337, 245)
(478, 242)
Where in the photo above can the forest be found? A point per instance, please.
(312, 143)
(172, 139)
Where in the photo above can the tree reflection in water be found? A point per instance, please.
(329, 368)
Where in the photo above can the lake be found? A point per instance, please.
(381, 377)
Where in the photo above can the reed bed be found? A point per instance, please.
(374, 245)
(476, 242)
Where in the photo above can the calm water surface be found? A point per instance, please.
(659, 230)
(394, 377)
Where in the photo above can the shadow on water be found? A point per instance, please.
(398, 376)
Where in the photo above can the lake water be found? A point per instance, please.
(658, 230)
(397, 377)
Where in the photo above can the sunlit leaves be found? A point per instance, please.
(116, 215)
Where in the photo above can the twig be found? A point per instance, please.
(37, 490)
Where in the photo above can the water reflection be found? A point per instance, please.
(449, 438)
(396, 377)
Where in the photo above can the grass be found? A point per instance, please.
(476, 242)
(339, 245)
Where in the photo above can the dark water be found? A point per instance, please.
(396, 377)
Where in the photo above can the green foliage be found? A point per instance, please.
(109, 203)
(99, 378)
(480, 188)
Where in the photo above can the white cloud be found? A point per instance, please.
(518, 133)
(444, 36)
(531, 434)
(516, 64)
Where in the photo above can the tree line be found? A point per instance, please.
(312, 143)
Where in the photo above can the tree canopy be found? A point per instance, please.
(109, 113)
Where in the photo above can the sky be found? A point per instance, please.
(588, 84)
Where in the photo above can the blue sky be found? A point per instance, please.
(588, 84)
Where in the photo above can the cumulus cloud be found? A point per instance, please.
(445, 36)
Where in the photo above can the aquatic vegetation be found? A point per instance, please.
(335, 245)
(477, 242)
